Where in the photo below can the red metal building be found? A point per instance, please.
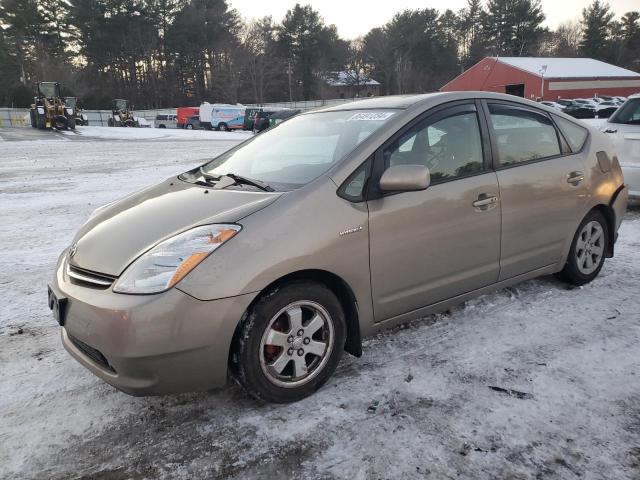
(547, 78)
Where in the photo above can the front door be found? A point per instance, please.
(430, 245)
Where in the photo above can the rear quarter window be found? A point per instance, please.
(575, 135)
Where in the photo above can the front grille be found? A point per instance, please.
(89, 278)
(91, 352)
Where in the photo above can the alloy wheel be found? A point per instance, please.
(590, 248)
(296, 344)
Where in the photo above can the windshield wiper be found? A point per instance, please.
(249, 181)
(238, 179)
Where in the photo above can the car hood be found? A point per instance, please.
(118, 233)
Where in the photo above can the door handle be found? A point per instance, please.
(575, 178)
(485, 202)
(608, 130)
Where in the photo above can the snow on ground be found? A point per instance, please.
(124, 133)
(416, 405)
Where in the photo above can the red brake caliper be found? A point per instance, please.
(271, 351)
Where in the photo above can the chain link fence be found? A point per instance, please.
(19, 117)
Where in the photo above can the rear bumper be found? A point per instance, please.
(631, 173)
(149, 344)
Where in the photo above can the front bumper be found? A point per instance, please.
(149, 344)
(631, 173)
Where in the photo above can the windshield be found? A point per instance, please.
(48, 90)
(71, 102)
(121, 104)
(628, 113)
(300, 149)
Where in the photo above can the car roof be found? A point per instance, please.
(406, 102)
(391, 101)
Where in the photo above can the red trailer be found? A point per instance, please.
(185, 112)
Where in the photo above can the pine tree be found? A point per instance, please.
(514, 27)
(596, 20)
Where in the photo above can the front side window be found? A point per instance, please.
(449, 148)
(523, 135)
(300, 149)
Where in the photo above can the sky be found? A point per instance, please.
(356, 17)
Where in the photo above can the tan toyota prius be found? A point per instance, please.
(269, 261)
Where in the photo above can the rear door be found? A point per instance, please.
(541, 186)
(430, 245)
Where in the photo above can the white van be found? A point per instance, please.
(222, 116)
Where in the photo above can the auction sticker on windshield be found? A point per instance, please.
(376, 116)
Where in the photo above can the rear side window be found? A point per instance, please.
(523, 135)
(575, 134)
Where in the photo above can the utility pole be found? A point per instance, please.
(289, 72)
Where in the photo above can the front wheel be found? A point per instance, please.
(588, 250)
(290, 343)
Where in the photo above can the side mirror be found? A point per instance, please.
(404, 178)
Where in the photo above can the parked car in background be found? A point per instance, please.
(222, 116)
(261, 120)
(551, 104)
(607, 98)
(270, 260)
(166, 121)
(624, 128)
(565, 102)
(281, 116)
(606, 108)
(249, 116)
(586, 101)
(183, 113)
(580, 110)
(193, 123)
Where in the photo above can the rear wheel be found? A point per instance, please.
(588, 250)
(290, 343)
(189, 126)
(32, 116)
(223, 127)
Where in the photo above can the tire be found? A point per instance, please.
(72, 123)
(189, 126)
(110, 122)
(223, 127)
(41, 122)
(32, 117)
(161, 126)
(272, 357)
(588, 250)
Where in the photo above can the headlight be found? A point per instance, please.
(170, 261)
